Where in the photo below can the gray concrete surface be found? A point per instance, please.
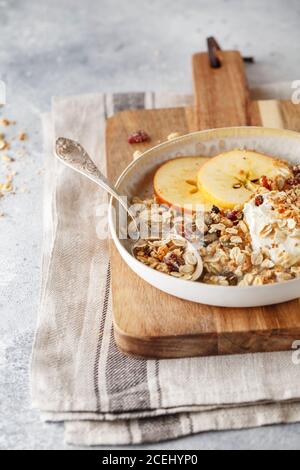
(62, 47)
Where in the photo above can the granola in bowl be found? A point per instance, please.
(254, 244)
(170, 256)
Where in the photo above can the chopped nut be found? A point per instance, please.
(22, 136)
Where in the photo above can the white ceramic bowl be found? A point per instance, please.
(136, 180)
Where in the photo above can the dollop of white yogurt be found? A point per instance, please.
(282, 243)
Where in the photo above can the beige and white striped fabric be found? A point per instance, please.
(78, 376)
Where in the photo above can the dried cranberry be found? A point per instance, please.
(215, 209)
(232, 215)
(293, 181)
(138, 137)
(266, 183)
(259, 200)
(173, 262)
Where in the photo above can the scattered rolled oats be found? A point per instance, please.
(187, 269)
(257, 258)
(240, 259)
(267, 230)
(216, 228)
(22, 136)
(291, 224)
(24, 189)
(175, 274)
(236, 240)
(169, 256)
(243, 227)
(267, 264)
(190, 259)
(6, 158)
(137, 154)
(247, 280)
(7, 186)
(3, 144)
(295, 270)
(283, 276)
(258, 281)
(6, 122)
(173, 135)
(232, 231)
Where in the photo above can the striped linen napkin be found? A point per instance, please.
(78, 375)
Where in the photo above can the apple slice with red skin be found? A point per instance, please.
(175, 183)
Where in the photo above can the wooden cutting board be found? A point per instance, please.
(150, 323)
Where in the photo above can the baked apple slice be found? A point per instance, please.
(175, 182)
(229, 179)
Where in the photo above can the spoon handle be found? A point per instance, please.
(72, 154)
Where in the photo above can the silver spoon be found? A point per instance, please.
(72, 154)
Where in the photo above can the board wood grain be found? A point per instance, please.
(222, 97)
(150, 323)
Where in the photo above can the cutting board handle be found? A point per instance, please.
(221, 94)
